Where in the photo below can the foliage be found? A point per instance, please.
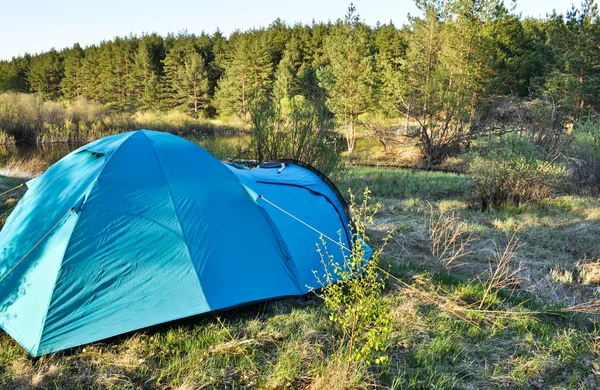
(439, 73)
(443, 76)
(584, 157)
(247, 80)
(540, 120)
(352, 289)
(45, 74)
(21, 116)
(349, 76)
(510, 170)
(192, 83)
(574, 80)
(296, 130)
(27, 119)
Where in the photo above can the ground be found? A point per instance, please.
(448, 332)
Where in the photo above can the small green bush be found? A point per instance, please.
(352, 290)
(21, 116)
(296, 129)
(511, 170)
(583, 167)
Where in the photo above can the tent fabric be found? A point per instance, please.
(144, 227)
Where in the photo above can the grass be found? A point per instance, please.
(440, 339)
(41, 122)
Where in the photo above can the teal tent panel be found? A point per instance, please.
(319, 214)
(33, 242)
(305, 210)
(222, 221)
(127, 265)
(296, 175)
(22, 313)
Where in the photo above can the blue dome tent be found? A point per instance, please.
(143, 228)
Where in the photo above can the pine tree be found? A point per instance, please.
(423, 80)
(287, 83)
(143, 81)
(192, 83)
(90, 73)
(71, 85)
(247, 79)
(180, 48)
(517, 57)
(277, 36)
(45, 74)
(115, 63)
(575, 79)
(350, 75)
(13, 74)
(391, 48)
(443, 76)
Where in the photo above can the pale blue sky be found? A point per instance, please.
(37, 25)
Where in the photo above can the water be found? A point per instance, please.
(30, 160)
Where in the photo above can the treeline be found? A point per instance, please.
(439, 71)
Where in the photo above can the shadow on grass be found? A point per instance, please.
(235, 348)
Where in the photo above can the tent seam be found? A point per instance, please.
(85, 195)
(184, 238)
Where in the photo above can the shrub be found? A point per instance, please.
(352, 290)
(296, 129)
(541, 121)
(583, 165)
(511, 170)
(21, 116)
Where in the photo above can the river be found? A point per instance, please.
(29, 160)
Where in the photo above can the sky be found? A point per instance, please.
(33, 26)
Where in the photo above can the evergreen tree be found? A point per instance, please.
(287, 83)
(192, 83)
(13, 74)
(349, 76)
(90, 73)
(424, 81)
(143, 82)
(115, 63)
(575, 80)
(182, 47)
(518, 56)
(247, 79)
(45, 74)
(71, 85)
(391, 48)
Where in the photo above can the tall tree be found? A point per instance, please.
(192, 83)
(115, 63)
(391, 48)
(575, 80)
(45, 74)
(247, 79)
(90, 73)
(144, 76)
(71, 85)
(13, 74)
(287, 83)
(349, 76)
(446, 71)
(424, 82)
